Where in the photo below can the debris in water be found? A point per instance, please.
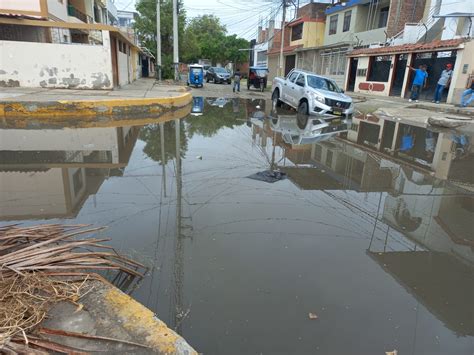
(268, 176)
(394, 352)
(199, 157)
(312, 315)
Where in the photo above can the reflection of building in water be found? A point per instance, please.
(432, 213)
(422, 230)
(443, 285)
(41, 179)
(414, 143)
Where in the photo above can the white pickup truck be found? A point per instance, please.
(312, 94)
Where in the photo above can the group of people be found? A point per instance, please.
(420, 81)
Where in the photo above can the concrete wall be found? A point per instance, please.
(313, 35)
(123, 70)
(357, 27)
(374, 87)
(58, 10)
(464, 59)
(56, 65)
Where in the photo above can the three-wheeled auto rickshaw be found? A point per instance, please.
(257, 78)
(196, 75)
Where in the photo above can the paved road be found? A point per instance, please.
(225, 90)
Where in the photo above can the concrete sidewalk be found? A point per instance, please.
(367, 103)
(142, 98)
(141, 88)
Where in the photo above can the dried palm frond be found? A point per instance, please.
(42, 265)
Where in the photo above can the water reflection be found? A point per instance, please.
(50, 173)
(371, 230)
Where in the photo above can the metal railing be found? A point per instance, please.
(72, 11)
(421, 28)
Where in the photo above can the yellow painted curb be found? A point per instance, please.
(28, 122)
(82, 108)
(137, 319)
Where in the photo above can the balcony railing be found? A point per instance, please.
(72, 11)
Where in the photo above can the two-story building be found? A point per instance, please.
(304, 32)
(442, 36)
(71, 43)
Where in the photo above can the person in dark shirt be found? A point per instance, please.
(237, 77)
(468, 92)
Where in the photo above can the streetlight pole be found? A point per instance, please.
(158, 41)
(175, 40)
(282, 39)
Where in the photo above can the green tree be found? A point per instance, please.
(145, 26)
(207, 38)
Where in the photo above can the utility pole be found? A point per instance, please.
(280, 71)
(175, 40)
(158, 41)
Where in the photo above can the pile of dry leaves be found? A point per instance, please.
(43, 265)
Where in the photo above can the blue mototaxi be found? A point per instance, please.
(198, 106)
(196, 75)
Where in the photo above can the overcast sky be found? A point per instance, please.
(241, 17)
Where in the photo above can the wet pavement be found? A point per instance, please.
(369, 230)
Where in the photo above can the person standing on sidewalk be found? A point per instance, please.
(419, 81)
(237, 76)
(466, 93)
(443, 82)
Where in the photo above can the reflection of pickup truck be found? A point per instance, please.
(303, 129)
(312, 94)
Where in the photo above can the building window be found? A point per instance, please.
(347, 21)
(297, 32)
(333, 24)
(383, 17)
(379, 68)
(362, 72)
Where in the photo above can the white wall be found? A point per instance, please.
(78, 66)
(57, 9)
(24, 5)
(123, 70)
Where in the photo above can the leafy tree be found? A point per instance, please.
(145, 26)
(232, 44)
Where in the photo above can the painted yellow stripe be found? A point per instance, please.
(82, 108)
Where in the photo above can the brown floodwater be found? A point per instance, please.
(370, 228)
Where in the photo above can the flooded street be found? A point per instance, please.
(363, 245)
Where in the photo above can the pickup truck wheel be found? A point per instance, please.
(301, 120)
(303, 108)
(276, 99)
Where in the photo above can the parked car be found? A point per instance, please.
(312, 94)
(218, 75)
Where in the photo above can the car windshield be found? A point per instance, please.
(322, 83)
(196, 71)
(220, 70)
(260, 72)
